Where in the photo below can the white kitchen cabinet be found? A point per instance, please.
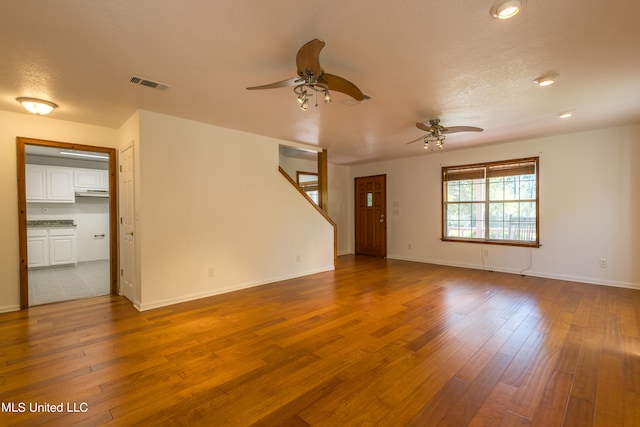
(60, 185)
(49, 184)
(53, 246)
(62, 249)
(37, 248)
(36, 183)
(90, 179)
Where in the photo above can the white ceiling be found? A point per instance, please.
(417, 59)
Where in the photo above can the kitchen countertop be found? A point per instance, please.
(50, 223)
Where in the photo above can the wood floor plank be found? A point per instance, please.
(435, 411)
(375, 342)
(530, 392)
(494, 408)
(529, 350)
(609, 404)
(585, 383)
(552, 409)
(631, 409)
(579, 413)
(469, 402)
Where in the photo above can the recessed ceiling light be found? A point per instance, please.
(565, 115)
(37, 106)
(545, 81)
(505, 9)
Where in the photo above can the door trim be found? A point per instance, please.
(22, 209)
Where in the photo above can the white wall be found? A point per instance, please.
(292, 165)
(13, 125)
(340, 209)
(584, 215)
(213, 198)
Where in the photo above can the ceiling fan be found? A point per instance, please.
(436, 132)
(312, 77)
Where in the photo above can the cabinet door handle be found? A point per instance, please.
(98, 236)
(130, 233)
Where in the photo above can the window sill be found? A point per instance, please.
(494, 242)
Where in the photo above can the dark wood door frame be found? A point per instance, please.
(21, 142)
(370, 219)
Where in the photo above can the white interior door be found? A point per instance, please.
(127, 216)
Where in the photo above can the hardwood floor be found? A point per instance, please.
(376, 342)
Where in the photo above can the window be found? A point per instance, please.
(308, 181)
(493, 202)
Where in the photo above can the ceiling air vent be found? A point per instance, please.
(149, 83)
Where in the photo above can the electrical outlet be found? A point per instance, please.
(409, 246)
(485, 252)
(212, 272)
(297, 258)
(603, 263)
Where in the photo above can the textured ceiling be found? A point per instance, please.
(417, 60)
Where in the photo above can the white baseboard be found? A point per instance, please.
(190, 297)
(9, 308)
(533, 273)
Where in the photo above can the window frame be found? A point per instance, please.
(474, 170)
(311, 188)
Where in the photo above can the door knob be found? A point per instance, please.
(130, 233)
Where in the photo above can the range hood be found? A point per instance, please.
(92, 193)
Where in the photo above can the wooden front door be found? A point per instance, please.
(371, 215)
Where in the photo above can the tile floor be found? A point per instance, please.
(87, 279)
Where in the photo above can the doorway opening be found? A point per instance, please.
(68, 226)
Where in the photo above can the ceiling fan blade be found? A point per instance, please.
(454, 129)
(308, 58)
(342, 85)
(415, 140)
(423, 127)
(284, 83)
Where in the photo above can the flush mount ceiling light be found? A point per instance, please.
(37, 106)
(545, 81)
(565, 115)
(505, 9)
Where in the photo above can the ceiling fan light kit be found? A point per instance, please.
(438, 140)
(303, 95)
